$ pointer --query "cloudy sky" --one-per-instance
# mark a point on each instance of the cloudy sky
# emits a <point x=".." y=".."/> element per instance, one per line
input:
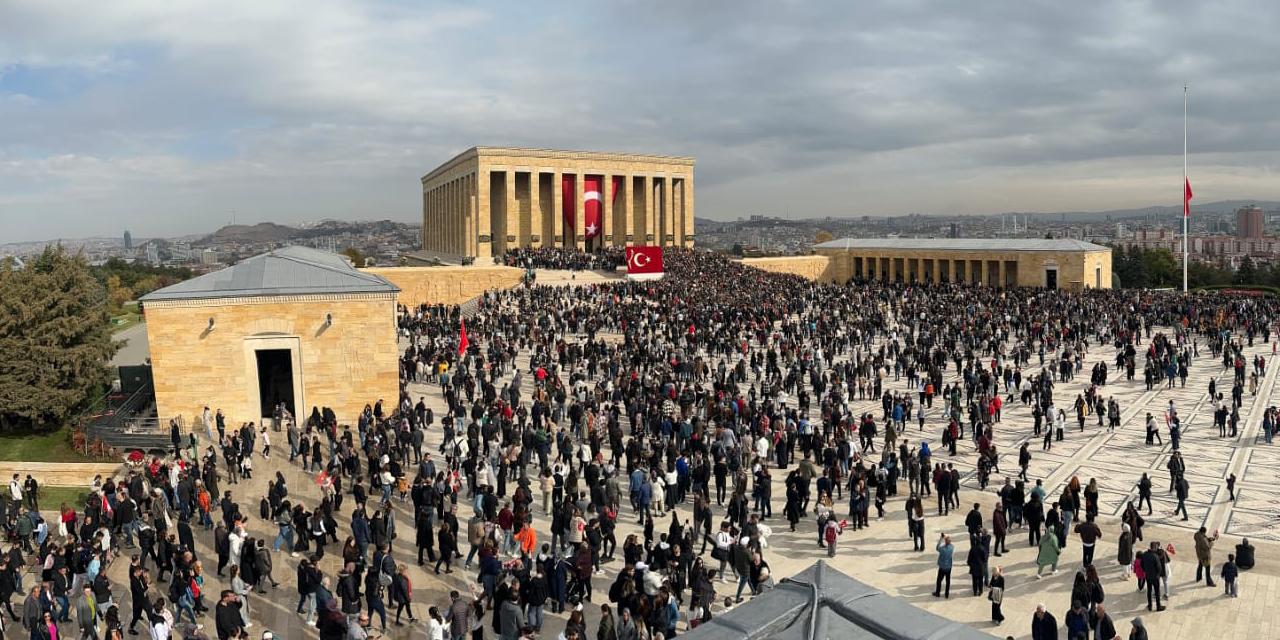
<point x="165" y="116"/>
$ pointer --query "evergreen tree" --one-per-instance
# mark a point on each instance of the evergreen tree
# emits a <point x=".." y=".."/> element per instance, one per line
<point x="1246" y="273"/>
<point x="55" y="338"/>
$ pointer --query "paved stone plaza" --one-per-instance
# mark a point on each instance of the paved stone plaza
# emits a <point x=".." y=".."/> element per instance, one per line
<point x="882" y="556"/>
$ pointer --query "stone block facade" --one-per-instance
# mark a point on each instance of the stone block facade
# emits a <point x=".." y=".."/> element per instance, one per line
<point x="447" y="285"/>
<point x="343" y="349"/>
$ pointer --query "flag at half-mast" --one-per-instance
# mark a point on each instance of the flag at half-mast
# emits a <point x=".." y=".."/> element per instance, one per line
<point x="1186" y="197"/>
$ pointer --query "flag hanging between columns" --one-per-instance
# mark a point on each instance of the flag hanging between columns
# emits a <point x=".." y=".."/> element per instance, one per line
<point x="569" y="202"/>
<point x="1186" y="197"/>
<point x="462" y="339"/>
<point x="592" y="203"/>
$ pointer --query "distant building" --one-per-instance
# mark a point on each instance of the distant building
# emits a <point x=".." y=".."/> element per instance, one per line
<point x="180" y="252"/>
<point x="1249" y="222"/>
<point x="209" y="256"/>
<point x="1022" y="262"/>
<point x="128" y="240"/>
<point x="954" y="231"/>
<point x="153" y="253"/>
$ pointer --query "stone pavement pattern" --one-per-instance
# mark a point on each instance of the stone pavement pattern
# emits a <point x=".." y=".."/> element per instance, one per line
<point x="881" y="555"/>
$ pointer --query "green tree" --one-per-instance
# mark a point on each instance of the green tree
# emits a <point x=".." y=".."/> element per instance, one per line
<point x="139" y="278"/>
<point x="1204" y="274"/>
<point x="1127" y="264"/>
<point x="357" y="258"/>
<point x="1246" y="273"/>
<point x="56" y="340"/>
<point x="1161" y="268"/>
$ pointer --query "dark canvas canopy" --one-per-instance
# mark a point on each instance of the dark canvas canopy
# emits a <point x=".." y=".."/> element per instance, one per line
<point x="820" y="603"/>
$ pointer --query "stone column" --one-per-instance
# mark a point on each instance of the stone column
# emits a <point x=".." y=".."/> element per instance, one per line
<point x="428" y="216"/>
<point x="629" y="211"/>
<point x="606" y="211"/>
<point x="689" y="237"/>
<point x="667" y="213"/>
<point x="449" y="210"/>
<point x="1002" y="282"/>
<point x="472" y="249"/>
<point x="579" y="212"/>
<point x="536" y="218"/>
<point x="557" y="208"/>
<point x="649" y="233"/>
<point x="677" y="212"/>
<point x="460" y="198"/>
<point x="511" y="226"/>
<point x="434" y="232"/>
<point x="484" y="217"/>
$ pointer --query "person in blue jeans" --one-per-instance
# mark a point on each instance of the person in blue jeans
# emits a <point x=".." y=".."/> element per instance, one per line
<point x="946" y="551"/>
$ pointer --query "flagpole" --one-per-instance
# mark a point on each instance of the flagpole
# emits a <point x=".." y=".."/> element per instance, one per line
<point x="1186" y="213"/>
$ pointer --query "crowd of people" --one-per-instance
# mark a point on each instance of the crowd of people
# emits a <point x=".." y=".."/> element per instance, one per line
<point x="611" y="411"/>
<point x="603" y="259"/>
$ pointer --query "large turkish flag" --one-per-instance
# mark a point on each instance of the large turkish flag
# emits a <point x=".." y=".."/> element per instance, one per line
<point x="592" y="205"/>
<point x="644" y="263"/>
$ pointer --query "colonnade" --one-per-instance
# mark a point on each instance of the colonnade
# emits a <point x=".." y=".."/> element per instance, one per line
<point x="937" y="268"/>
<point x="483" y="212"/>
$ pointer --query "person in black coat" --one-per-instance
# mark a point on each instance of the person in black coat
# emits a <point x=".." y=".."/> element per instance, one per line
<point x="227" y="616"/>
<point x="185" y="536"/>
<point x="1101" y="623"/>
<point x="1043" y="625"/>
<point x="349" y="590"/>
<point x="448" y="546"/>
<point x="400" y="595"/>
<point x="1152" y="570"/>
<point x="373" y="598"/>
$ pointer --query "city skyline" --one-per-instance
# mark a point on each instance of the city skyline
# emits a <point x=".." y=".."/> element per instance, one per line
<point x="167" y="117"/>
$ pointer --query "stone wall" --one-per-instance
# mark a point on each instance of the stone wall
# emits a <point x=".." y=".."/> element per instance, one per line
<point x="344" y="364"/>
<point x="447" y="285"/>
<point x="818" y="268"/>
<point x="61" y="474"/>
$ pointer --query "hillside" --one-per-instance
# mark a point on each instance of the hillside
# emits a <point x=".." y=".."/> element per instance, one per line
<point x="261" y="232"/>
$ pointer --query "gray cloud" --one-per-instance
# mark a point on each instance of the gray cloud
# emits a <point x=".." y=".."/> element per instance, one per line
<point x="293" y="110"/>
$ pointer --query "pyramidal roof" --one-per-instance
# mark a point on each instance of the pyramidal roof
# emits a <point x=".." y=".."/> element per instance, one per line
<point x="821" y="603"/>
<point x="286" y="271"/>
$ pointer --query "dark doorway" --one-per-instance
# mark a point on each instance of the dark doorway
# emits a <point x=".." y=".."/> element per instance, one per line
<point x="1051" y="278"/>
<point x="275" y="380"/>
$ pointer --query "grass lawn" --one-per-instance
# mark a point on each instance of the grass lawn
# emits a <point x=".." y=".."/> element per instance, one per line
<point x="127" y="317"/>
<point x="53" y="446"/>
<point x="52" y="497"/>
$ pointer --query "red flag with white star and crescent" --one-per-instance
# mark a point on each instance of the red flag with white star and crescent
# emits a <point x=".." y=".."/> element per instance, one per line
<point x="1186" y="198"/>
